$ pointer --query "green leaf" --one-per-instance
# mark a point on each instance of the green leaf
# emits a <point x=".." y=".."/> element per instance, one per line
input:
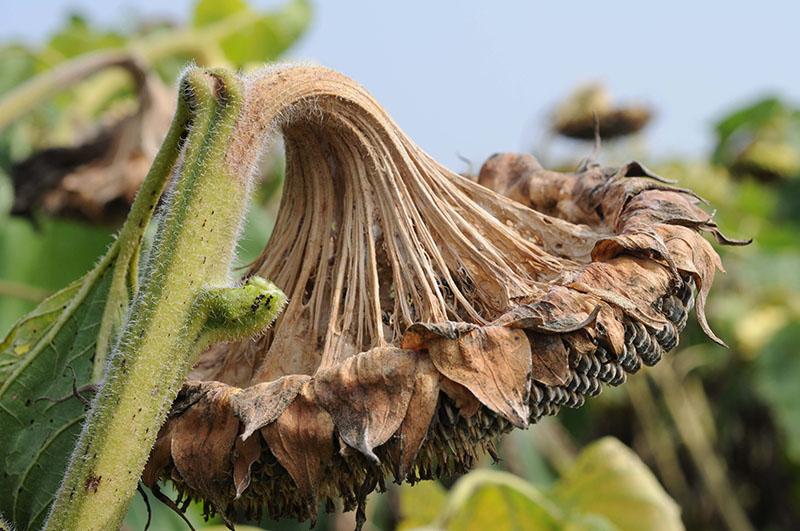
<point x="209" y="11"/>
<point x="608" y="488"/>
<point x="50" y="355"/>
<point x="263" y="39"/>
<point x="421" y="504"/>
<point x="609" y="480"/>
<point x="753" y="115"/>
<point x="17" y="64"/>
<point x="77" y="37"/>
<point x="488" y="499"/>
<point x="776" y="377"/>
<point x="44" y="354"/>
<point x="48" y="257"/>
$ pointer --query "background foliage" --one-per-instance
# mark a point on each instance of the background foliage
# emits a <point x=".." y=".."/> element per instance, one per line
<point x="720" y="429"/>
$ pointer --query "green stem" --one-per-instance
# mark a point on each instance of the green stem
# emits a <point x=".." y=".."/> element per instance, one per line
<point x="124" y="279"/>
<point x="184" y="303"/>
<point x="25" y="292"/>
<point x="197" y="42"/>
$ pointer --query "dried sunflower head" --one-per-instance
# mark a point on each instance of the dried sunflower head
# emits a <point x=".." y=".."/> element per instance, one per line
<point x="427" y="313"/>
<point x="590" y="107"/>
<point x="97" y="179"/>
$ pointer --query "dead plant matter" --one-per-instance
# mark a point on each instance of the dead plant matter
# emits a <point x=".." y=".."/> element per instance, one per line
<point x="428" y="313"/>
<point x="97" y="179"/>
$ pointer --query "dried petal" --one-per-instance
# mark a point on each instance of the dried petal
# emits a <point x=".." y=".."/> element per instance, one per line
<point x="417" y="335"/>
<point x="160" y="455"/>
<point x="421" y="408"/>
<point x="550" y="362"/>
<point x="465" y="401"/>
<point x="694" y="255"/>
<point x="203" y="440"/>
<point x="246" y="452"/>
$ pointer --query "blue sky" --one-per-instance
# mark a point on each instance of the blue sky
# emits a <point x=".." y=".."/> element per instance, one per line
<point x="473" y="78"/>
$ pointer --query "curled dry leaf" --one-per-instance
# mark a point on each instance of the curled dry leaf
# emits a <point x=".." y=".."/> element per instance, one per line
<point x="428" y="313"/>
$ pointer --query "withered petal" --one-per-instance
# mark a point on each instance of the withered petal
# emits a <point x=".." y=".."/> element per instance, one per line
<point x="203" y="440"/>
<point x="160" y="455"/>
<point x="421" y="407"/>
<point x="549" y="359"/>
<point x="463" y="398"/>
<point x="246" y="452"/>
<point x="417" y="335"/>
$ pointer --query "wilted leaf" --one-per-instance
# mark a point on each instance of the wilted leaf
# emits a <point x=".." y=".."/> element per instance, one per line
<point x="98" y="179"/>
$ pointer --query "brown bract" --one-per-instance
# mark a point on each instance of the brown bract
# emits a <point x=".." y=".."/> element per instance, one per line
<point x="427" y="313"/>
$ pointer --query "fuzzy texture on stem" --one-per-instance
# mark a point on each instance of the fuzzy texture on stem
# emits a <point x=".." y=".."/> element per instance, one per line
<point x="185" y="300"/>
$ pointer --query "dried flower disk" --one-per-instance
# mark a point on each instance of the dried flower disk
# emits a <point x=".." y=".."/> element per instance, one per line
<point x="590" y="108"/>
<point x="428" y="313"/>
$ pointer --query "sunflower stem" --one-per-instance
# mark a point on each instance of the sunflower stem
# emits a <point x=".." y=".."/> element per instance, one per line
<point x="185" y="302"/>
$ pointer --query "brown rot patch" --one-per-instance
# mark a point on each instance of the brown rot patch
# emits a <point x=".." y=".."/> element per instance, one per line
<point x="92" y="483"/>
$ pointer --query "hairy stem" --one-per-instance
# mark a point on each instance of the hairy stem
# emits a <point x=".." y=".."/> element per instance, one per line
<point x="124" y="279"/>
<point x="182" y="305"/>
